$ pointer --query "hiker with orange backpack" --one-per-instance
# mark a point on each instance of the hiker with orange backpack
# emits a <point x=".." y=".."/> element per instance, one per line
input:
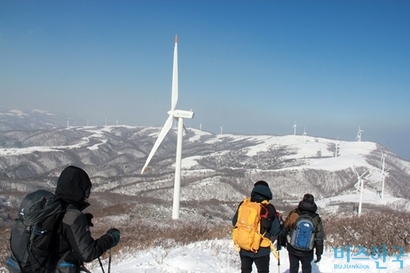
<point x="256" y="226"/>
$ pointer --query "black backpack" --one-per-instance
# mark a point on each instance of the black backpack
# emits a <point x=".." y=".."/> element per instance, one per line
<point x="33" y="238"/>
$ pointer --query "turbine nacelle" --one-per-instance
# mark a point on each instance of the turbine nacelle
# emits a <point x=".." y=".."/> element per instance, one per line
<point x="181" y="114"/>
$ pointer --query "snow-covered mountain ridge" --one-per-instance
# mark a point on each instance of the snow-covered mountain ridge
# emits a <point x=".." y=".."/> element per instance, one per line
<point x="214" y="166"/>
<point x="119" y="151"/>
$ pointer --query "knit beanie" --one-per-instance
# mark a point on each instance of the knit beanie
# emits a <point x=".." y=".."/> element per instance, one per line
<point x="308" y="198"/>
<point x="261" y="191"/>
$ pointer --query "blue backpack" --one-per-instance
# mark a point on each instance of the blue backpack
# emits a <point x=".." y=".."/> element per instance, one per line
<point x="302" y="236"/>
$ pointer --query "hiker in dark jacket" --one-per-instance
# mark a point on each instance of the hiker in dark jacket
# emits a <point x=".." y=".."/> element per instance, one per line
<point x="270" y="225"/>
<point x="306" y="207"/>
<point x="76" y="245"/>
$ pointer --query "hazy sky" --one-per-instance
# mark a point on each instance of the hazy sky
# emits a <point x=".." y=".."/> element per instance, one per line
<point x="250" y="66"/>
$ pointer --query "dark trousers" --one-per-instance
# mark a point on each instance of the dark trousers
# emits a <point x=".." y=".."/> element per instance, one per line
<point x="262" y="264"/>
<point x="294" y="263"/>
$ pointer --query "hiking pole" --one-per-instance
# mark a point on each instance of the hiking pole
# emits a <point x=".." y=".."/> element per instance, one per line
<point x="279" y="247"/>
<point x="102" y="267"/>
<point x="109" y="260"/>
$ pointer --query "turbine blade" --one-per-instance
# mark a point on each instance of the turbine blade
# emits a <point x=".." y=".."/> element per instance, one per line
<point x="186" y="131"/>
<point x="174" y="98"/>
<point x="365" y="173"/>
<point x="162" y="134"/>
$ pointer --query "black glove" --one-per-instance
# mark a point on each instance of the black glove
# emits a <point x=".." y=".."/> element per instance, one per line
<point x="318" y="258"/>
<point x="114" y="235"/>
<point x="89" y="216"/>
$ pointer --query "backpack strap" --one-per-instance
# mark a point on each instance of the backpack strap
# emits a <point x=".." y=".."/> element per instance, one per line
<point x="268" y="215"/>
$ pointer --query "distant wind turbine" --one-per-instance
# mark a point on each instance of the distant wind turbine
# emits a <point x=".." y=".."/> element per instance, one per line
<point x="294" y="128"/>
<point x="180" y="115"/>
<point x="359" y="135"/>
<point x="222" y="128"/>
<point x="359" y="187"/>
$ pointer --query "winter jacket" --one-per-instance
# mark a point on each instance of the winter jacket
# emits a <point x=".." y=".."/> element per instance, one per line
<point x="270" y="225"/>
<point x="76" y="245"/>
<point x="305" y="208"/>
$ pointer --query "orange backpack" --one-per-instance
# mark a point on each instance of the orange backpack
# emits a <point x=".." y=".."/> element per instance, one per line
<point x="246" y="234"/>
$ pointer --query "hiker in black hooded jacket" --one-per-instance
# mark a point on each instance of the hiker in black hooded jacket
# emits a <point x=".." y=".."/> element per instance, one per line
<point x="76" y="245"/>
<point x="270" y="225"/>
<point x="306" y="207"/>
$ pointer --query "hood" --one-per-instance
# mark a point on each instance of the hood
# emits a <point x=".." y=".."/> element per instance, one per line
<point x="74" y="186"/>
<point x="261" y="191"/>
<point x="308" y="203"/>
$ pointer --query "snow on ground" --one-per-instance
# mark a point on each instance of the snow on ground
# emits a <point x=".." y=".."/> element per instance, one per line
<point x="219" y="256"/>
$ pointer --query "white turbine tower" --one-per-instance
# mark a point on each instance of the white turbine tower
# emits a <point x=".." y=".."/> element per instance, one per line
<point x="294" y="128"/>
<point x="359" y="187"/>
<point x="180" y="115"/>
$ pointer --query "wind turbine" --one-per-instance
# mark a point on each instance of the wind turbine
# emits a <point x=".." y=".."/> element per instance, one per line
<point x="359" y="187"/>
<point x="294" y="128"/>
<point x="359" y="135"/>
<point x="180" y="115"/>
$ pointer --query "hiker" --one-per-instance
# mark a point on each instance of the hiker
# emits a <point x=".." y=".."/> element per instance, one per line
<point x="76" y="244"/>
<point x="52" y="234"/>
<point x="306" y="207"/>
<point x="269" y="228"/>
